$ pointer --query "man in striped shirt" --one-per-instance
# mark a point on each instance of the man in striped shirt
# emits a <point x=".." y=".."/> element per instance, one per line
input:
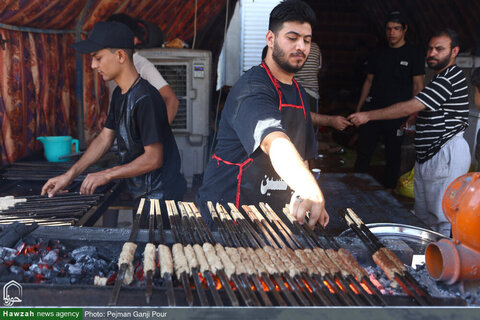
<point x="442" y="107"/>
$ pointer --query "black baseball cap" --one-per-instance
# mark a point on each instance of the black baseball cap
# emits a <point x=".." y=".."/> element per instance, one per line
<point x="106" y="35"/>
<point x="397" y="17"/>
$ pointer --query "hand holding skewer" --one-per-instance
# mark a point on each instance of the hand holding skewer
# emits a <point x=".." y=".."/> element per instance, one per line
<point x="314" y="206"/>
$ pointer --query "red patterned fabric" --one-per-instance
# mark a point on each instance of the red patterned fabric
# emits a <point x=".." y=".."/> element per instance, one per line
<point x="37" y="79"/>
<point x="37" y="70"/>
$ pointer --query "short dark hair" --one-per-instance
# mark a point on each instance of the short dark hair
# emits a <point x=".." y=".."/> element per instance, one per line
<point x="130" y="22"/>
<point x="128" y="52"/>
<point x="475" y="78"/>
<point x="397" y="17"/>
<point x="290" y="10"/>
<point x="452" y="34"/>
<point x="264" y="52"/>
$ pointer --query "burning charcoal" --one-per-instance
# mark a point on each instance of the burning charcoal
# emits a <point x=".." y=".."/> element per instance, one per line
<point x="14" y="232"/>
<point x="7" y="254"/>
<point x="85" y="259"/>
<point x="49" y="274"/>
<point x="60" y="266"/>
<point x="90" y="251"/>
<point x="16" y="270"/>
<point x="50" y="258"/>
<point x="100" y="265"/>
<point x="29" y="276"/>
<point x="22" y="260"/>
<point x="74" y="269"/>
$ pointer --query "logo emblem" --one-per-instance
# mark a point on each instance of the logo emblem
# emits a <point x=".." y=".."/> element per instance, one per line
<point x="12" y="293"/>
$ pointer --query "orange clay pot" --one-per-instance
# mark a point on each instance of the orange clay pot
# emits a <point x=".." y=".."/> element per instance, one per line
<point x="458" y="259"/>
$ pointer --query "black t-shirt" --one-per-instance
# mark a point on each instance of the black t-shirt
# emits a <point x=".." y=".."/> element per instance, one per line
<point x="149" y="125"/>
<point x="251" y="112"/>
<point x="150" y="114"/>
<point x="393" y="70"/>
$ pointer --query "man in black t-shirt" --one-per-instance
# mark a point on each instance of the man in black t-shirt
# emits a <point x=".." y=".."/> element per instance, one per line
<point x="442" y="106"/>
<point x="137" y="119"/>
<point x="394" y="74"/>
<point x="266" y="133"/>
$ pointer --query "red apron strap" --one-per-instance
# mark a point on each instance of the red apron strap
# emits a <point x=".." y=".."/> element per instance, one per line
<point x="241" y="166"/>
<point x="277" y="87"/>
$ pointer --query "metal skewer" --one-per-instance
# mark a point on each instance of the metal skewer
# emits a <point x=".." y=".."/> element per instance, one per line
<point x="151" y="239"/>
<point x="123" y="267"/>
<point x="166" y="270"/>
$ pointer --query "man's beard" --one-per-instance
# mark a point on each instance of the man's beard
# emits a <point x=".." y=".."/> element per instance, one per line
<point x="278" y="56"/>
<point x="441" y="64"/>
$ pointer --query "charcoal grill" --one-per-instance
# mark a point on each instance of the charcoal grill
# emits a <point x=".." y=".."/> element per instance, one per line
<point x="134" y="295"/>
<point x="25" y="179"/>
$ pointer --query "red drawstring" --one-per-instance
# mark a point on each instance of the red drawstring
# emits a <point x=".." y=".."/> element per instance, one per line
<point x="239" y="176"/>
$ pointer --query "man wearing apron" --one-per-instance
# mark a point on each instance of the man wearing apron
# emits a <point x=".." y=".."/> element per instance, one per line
<point x="266" y="133"/>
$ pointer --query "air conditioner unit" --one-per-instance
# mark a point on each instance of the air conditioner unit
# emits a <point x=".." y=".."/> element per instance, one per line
<point x="188" y="72"/>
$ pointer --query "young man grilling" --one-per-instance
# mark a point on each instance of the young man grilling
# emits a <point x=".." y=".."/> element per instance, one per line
<point x="150" y="160"/>
<point x="266" y="134"/>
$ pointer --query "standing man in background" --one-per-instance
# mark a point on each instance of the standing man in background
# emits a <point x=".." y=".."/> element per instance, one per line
<point x="395" y="73"/>
<point x="442" y="152"/>
<point x="308" y="78"/>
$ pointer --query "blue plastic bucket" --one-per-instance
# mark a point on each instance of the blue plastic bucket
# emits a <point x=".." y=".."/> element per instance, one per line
<point x="58" y="146"/>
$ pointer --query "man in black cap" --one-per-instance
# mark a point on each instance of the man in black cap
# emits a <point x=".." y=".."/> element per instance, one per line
<point x="137" y="119"/>
<point x="394" y="73"/>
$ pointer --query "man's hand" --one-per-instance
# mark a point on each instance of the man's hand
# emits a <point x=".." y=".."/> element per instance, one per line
<point x="359" y="118"/>
<point x="55" y="185"/>
<point x="339" y="122"/>
<point x="314" y="204"/>
<point x="408" y="125"/>
<point x="94" y="180"/>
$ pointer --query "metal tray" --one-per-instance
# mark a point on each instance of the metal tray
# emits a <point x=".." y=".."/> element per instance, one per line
<point x="417" y="238"/>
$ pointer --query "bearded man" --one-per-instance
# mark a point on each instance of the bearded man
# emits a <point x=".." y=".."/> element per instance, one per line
<point x="442" y="154"/>
<point x="265" y="134"/>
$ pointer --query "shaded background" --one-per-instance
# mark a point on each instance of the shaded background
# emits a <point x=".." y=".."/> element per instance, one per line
<point x="37" y="67"/>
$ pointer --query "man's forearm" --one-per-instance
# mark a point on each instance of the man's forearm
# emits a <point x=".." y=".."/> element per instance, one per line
<point x="320" y="119"/>
<point x="397" y="110"/>
<point x="140" y="165"/>
<point x="290" y="166"/>
<point x="99" y="146"/>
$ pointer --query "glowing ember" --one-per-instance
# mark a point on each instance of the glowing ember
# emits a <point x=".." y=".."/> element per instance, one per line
<point x="218" y="283"/>
<point x="328" y="286"/>
<point x="264" y="286"/>
<point x="308" y="287"/>
<point x="353" y="288"/>
<point x="365" y="287"/>
<point x="376" y="283"/>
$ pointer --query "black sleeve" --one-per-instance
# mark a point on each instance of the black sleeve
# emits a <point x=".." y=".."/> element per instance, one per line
<point x="151" y="119"/>
<point x="257" y="114"/>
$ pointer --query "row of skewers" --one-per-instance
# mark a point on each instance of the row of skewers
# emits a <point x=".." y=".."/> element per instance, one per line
<point x="260" y="258"/>
<point x="64" y="209"/>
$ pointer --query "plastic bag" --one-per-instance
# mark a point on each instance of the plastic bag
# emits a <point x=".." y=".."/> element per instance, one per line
<point x="405" y="184"/>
